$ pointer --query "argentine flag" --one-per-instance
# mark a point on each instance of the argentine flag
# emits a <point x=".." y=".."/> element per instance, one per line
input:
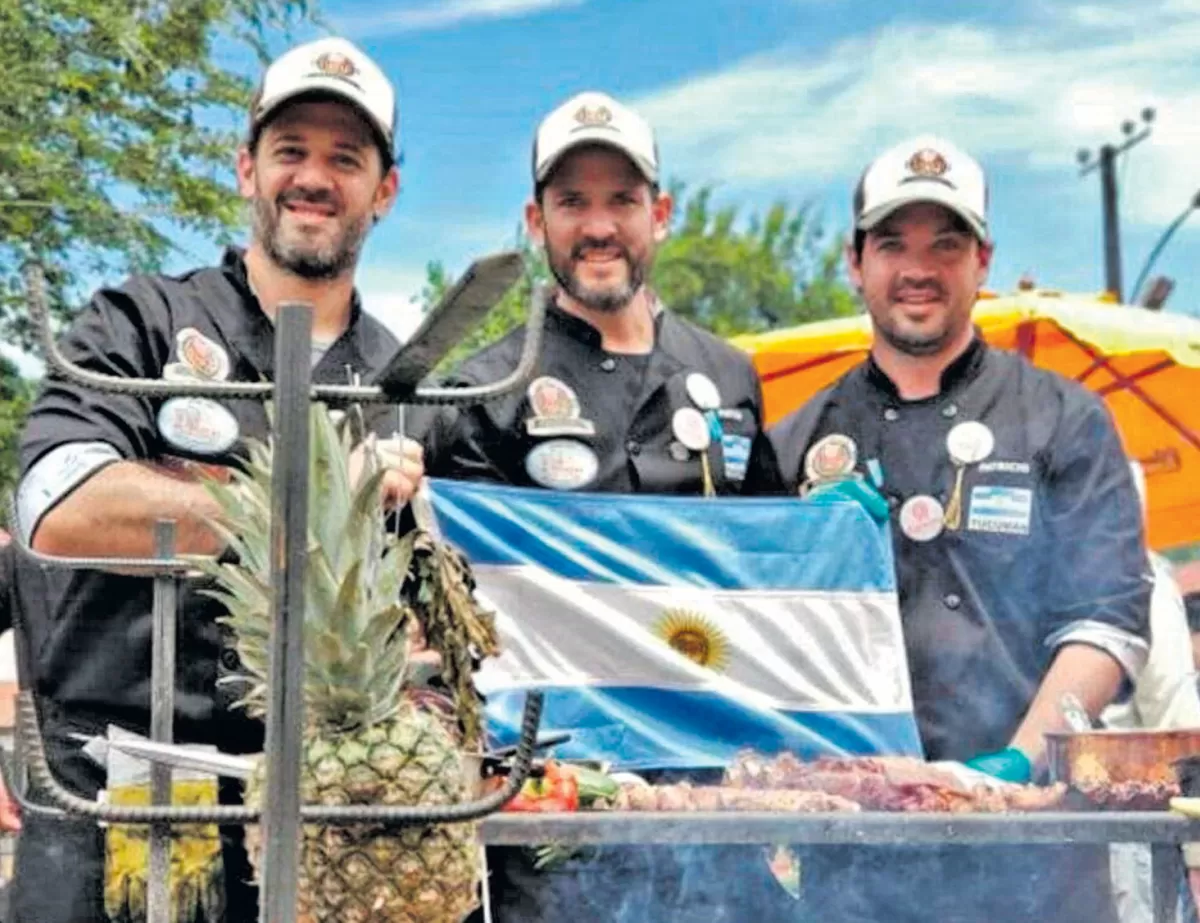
<point x="671" y="632"/>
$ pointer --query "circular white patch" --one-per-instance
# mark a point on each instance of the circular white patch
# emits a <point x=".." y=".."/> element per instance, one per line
<point x="562" y="464"/>
<point x="690" y="428"/>
<point x="197" y="424"/>
<point x="703" y="392"/>
<point x="970" y="442"/>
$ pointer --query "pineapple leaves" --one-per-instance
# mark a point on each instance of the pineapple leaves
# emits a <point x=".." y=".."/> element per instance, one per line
<point x="364" y="589"/>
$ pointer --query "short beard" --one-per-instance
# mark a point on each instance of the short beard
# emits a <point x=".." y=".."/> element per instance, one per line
<point x="915" y="346"/>
<point x="605" y="302"/>
<point x="305" y="261"/>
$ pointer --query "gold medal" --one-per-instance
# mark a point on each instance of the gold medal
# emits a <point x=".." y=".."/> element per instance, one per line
<point x="691" y="429"/>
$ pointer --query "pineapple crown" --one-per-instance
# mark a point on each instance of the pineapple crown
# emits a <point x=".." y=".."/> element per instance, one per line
<point x="367" y="591"/>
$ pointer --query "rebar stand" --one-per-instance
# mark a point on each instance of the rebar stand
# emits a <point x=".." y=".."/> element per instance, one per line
<point x="282" y="814"/>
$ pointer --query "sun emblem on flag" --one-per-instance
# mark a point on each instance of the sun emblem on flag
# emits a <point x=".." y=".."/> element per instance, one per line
<point x="695" y="636"/>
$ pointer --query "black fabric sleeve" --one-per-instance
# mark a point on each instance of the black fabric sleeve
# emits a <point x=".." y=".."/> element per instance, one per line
<point x="123" y="332"/>
<point x="1096" y="528"/>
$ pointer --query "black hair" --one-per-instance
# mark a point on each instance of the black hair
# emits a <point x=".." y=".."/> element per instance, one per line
<point x="957" y="223"/>
<point x="388" y="156"/>
<point x="539" y="189"/>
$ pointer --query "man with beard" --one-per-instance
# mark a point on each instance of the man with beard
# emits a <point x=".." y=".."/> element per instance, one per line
<point x="98" y="470"/>
<point x="1020" y="555"/>
<point x="621" y="381"/>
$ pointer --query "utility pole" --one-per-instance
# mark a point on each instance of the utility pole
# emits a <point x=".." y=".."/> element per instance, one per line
<point x="1106" y="163"/>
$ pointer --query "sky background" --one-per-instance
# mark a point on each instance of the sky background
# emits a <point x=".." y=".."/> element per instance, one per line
<point x="770" y="99"/>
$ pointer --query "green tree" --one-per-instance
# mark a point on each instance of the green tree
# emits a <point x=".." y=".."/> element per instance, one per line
<point x="778" y="269"/>
<point x="16" y="393"/>
<point x="775" y="270"/>
<point x="118" y="122"/>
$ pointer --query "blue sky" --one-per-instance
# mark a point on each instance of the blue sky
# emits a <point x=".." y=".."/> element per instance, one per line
<point x="790" y="98"/>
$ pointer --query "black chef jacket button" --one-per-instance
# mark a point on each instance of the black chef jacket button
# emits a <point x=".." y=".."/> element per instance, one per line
<point x="952" y="600"/>
<point x="950" y="411"/>
<point x="633" y="447"/>
<point x="230" y="659"/>
<point x="891" y="414"/>
<point x="608" y="364"/>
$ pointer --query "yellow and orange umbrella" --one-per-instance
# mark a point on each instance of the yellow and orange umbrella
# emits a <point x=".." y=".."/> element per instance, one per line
<point x="1145" y="364"/>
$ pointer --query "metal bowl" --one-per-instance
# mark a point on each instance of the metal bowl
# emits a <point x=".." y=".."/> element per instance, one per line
<point x="1106" y="757"/>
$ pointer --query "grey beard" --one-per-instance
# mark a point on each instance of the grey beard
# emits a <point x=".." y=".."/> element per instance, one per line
<point x="605" y="302"/>
<point x="327" y="262"/>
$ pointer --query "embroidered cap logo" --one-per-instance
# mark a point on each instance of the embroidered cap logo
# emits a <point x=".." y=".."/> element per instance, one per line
<point x="593" y="117"/>
<point x="927" y="162"/>
<point x="335" y="64"/>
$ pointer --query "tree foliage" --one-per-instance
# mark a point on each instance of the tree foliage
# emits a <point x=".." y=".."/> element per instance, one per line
<point x="774" y="270"/>
<point x="16" y="394"/>
<point x="118" y="123"/>
<point x="777" y="269"/>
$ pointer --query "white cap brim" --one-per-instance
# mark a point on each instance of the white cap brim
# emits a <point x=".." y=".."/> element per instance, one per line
<point x="602" y="136"/>
<point x="924" y="190"/>
<point x="330" y="86"/>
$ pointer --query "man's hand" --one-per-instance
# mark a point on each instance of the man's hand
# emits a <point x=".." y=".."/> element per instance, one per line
<point x="424" y="664"/>
<point x="10" y="812"/>
<point x="403" y="461"/>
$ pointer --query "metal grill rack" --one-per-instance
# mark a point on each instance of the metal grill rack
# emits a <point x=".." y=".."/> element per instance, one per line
<point x="469" y="299"/>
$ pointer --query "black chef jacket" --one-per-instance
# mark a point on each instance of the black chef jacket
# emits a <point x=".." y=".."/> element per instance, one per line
<point x="630" y="400"/>
<point x="90" y="632"/>
<point x="1050" y="548"/>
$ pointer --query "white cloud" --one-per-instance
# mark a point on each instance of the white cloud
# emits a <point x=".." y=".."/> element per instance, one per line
<point x="1025" y="96"/>
<point x="28" y="364"/>
<point x="393" y="296"/>
<point x="445" y="14"/>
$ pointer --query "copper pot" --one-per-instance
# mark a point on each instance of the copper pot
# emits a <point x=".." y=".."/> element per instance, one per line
<point x="1106" y="757"/>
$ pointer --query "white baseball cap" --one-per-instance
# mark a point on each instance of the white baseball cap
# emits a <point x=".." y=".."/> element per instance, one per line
<point x="331" y="66"/>
<point x="923" y="169"/>
<point x="594" y="118"/>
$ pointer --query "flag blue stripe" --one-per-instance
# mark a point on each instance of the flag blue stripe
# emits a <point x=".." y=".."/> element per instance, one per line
<point x="727" y="543"/>
<point x="639" y="728"/>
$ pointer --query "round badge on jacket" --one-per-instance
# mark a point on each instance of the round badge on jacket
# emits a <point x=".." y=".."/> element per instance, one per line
<point x="922" y="518"/>
<point x="198" y="425"/>
<point x="702" y="391"/>
<point x="551" y="398"/>
<point x="691" y="428"/>
<point x="831" y="457"/>
<point x="970" y="442"/>
<point x="562" y="464"/>
<point x="200" y="354"/>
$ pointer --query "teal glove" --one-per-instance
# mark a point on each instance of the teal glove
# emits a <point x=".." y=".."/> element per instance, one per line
<point x="1009" y="765"/>
<point x="855" y="489"/>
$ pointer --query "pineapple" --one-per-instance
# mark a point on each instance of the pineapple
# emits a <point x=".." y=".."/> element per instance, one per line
<point x="370" y="738"/>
